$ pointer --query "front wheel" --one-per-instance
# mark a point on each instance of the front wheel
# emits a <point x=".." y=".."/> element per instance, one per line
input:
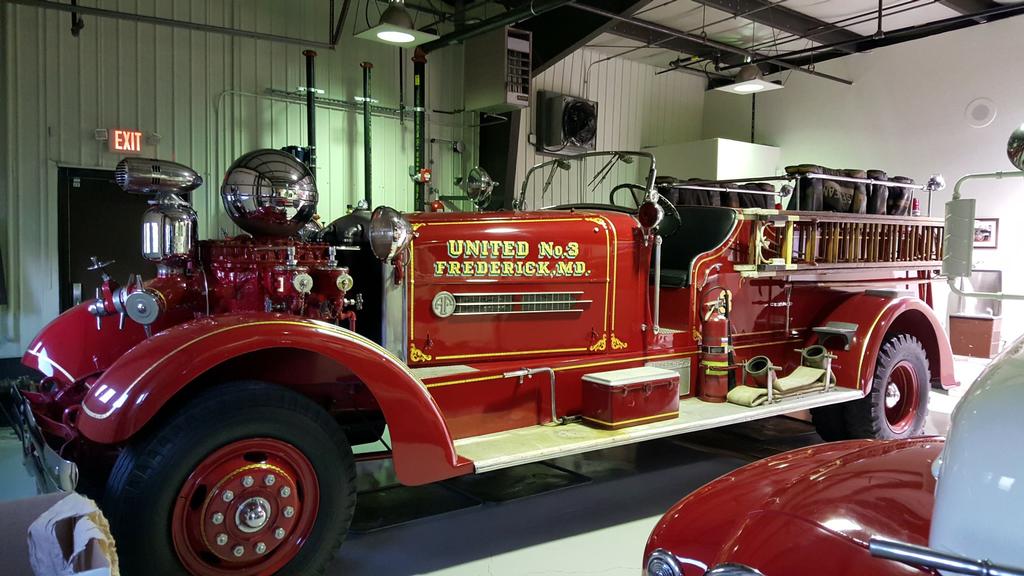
<point x="247" y="478"/>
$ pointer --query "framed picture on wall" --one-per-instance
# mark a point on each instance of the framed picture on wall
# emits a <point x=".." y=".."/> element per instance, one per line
<point x="986" y="232"/>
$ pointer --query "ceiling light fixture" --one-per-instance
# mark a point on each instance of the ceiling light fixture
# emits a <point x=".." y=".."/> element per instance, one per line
<point x="749" y="81"/>
<point x="396" y="27"/>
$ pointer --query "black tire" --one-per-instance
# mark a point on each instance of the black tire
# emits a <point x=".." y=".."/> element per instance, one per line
<point x="149" y="474"/>
<point x="830" y="422"/>
<point x="866" y="418"/>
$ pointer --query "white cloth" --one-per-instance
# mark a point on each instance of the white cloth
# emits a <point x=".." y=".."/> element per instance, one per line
<point x="72" y="537"/>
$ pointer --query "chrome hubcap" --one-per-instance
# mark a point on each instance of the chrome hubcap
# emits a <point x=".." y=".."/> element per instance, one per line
<point x="892" y="395"/>
<point x="252" y="515"/>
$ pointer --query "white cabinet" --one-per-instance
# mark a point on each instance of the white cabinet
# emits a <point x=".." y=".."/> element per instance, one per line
<point x="717" y="159"/>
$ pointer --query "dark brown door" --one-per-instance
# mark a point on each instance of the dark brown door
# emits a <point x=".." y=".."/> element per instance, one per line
<point x="98" y="219"/>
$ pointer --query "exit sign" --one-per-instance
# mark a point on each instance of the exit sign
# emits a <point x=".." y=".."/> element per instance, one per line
<point x="126" y="141"/>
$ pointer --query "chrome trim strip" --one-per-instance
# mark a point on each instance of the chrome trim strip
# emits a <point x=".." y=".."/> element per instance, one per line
<point x="520" y="302"/>
<point x="515" y="312"/>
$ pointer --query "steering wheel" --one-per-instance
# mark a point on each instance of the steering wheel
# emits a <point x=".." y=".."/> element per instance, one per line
<point x="673" y="214"/>
<point x="634" y="189"/>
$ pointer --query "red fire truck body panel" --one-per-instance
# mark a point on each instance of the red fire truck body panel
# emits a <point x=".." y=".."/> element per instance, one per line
<point x="593" y="272"/>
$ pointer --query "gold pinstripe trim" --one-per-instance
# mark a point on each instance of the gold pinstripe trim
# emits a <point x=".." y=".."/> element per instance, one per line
<point x="488" y="221"/>
<point x="867" y="337"/>
<point x="631" y="421"/>
<point x="718" y="251"/>
<point x="489" y="354"/>
<point x="564" y="368"/>
<point x="767" y="343"/>
<point x="340" y="332"/>
<point x="611" y="277"/>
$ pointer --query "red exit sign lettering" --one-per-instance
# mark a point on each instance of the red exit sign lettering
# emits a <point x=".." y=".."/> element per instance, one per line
<point x="129" y="141"/>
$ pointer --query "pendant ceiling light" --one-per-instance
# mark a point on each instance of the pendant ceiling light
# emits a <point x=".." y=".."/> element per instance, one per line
<point x="396" y="27"/>
<point x="749" y="81"/>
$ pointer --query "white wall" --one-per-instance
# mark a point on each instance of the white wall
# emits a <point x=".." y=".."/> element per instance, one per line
<point x="185" y="86"/>
<point x="636" y="110"/>
<point x="905" y="115"/>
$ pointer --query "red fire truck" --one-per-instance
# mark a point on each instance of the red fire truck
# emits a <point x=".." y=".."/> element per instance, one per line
<point x="213" y="407"/>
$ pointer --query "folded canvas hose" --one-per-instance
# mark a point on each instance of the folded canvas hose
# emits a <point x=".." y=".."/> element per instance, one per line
<point x="805" y="379"/>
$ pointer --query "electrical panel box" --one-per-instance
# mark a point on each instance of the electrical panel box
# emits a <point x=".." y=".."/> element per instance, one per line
<point x="497" y="70"/>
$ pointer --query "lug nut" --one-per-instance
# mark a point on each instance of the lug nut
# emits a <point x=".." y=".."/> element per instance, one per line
<point x="279" y="533"/>
<point x="289" y="512"/>
<point x="269" y="480"/>
<point x="217" y="518"/>
<point x="247" y="481"/>
<point x="222" y="539"/>
<point x="228" y="496"/>
<point x="285" y="492"/>
<point x="238" y="551"/>
<point x="261" y="547"/>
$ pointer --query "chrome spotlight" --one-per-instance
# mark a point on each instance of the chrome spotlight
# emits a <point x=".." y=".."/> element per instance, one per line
<point x="390" y="233"/>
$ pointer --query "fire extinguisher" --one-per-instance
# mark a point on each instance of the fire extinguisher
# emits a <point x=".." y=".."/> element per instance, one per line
<point x="716" y="347"/>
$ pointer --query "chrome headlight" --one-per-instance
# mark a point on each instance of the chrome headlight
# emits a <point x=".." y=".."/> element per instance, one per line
<point x="390" y="233"/>
<point x="662" y="563"/>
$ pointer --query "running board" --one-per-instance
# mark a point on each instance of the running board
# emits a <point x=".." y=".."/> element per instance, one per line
<point x="536" y="443"/>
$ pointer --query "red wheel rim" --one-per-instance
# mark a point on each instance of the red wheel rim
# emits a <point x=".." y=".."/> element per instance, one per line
<point x="247" y="508"/>
<point x="901" y="397"/>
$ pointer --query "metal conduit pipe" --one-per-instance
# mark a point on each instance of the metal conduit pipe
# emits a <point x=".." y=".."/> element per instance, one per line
<point x="419" y="107"/>
<point x="311" y="108"/>
<point x="367" y="137"/>
<point x="711" y="43"/>
<point x="956" y="196"/>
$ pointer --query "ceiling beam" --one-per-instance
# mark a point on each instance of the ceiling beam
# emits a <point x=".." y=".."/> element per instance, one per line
<point x="968" y="6"/>
<point x="710" y="42"/>
<point x="785" y="19"/>
<point x="564" y="30"/>
<point x="916" y="32"/>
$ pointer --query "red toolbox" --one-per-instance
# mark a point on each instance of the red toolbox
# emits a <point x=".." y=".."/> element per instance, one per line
<point x="631" y="396"/>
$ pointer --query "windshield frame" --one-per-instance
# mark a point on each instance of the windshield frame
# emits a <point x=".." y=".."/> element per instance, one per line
<point x="652" y="173"/>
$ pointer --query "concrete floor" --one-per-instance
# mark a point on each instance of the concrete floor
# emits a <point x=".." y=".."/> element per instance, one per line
<point x="597" y="529"/>
<point x="598" y="526"/>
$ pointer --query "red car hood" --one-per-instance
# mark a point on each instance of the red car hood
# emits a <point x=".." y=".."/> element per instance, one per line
<point x="826" y="499"/>
<point x="882" y="489"/>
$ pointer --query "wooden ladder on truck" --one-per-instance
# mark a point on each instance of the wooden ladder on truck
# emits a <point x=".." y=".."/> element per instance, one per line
<point x="783" y="243"/>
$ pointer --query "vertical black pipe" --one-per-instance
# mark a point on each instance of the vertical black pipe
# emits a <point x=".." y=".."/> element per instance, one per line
<point x="419" y="60"/>
<point x="367" y="136"/>
<point x="311" y="109"/>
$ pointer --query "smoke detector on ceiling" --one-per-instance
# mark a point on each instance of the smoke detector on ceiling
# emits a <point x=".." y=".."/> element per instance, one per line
<point x="980" y="112"/>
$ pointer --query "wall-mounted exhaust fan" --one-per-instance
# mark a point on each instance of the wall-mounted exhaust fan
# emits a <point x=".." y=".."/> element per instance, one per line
<point x="565" y="124"/>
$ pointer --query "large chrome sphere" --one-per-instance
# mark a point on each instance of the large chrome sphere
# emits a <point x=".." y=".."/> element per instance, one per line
<point x="1015" y="148"/>
<point x="269" y="193"/>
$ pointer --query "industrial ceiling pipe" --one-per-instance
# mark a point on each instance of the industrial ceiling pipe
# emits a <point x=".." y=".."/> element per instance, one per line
<point x="711" y="43"/>
<point x="524" y="12"/>
<point x="118" y="15"/>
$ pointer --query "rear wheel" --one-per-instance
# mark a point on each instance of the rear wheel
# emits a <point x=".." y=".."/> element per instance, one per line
<point x="897" y="405"/>
<point x="247" y="478"/>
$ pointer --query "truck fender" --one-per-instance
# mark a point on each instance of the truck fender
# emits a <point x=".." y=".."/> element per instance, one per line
<point x="142" y="381"/>
<point x="877" y="315"/>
